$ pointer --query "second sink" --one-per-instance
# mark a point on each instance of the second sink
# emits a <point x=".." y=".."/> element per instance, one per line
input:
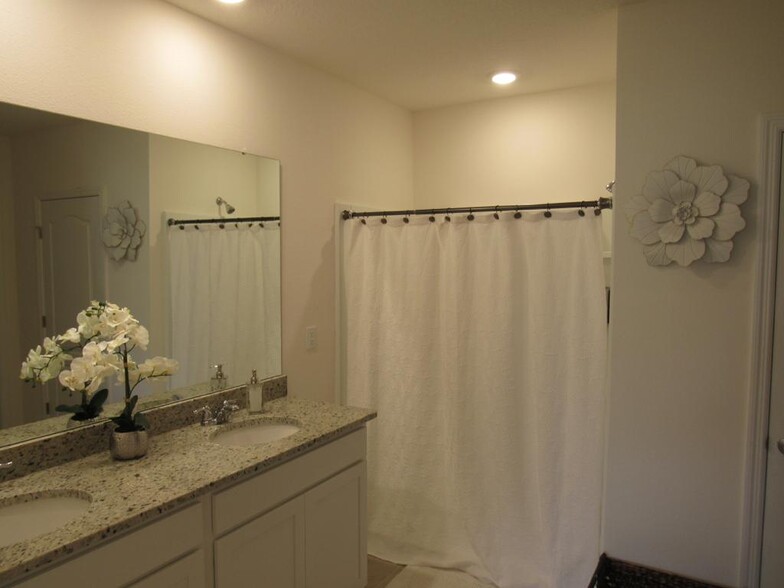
<point x="28" y="516"/>
<point x="254" y="433"/>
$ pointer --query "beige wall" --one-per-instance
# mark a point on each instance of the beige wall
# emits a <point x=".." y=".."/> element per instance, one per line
<point x="547" y="147"/>
<point x="693" y="78"/>
<point x="147" y="65"/>
<point x="551" y="146"/>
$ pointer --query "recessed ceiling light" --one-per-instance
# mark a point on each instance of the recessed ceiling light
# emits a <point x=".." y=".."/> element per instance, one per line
<point x="231" y="1"/>
<point x="503" y="78"/>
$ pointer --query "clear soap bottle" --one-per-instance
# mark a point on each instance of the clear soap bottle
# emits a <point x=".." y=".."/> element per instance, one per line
<point x="219" y="380"/>
<point x="255" y="395"/>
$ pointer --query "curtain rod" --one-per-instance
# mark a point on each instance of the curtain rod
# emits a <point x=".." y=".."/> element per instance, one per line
<point x="597" y="205"/>
<point x="211" y="221"/>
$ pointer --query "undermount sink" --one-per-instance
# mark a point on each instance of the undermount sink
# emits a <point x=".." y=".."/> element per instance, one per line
<point x="27" y="516"/>
<point x="254" y="433"/>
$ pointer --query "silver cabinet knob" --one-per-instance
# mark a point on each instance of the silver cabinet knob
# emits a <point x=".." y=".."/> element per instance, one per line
<point x="780" y="445"/>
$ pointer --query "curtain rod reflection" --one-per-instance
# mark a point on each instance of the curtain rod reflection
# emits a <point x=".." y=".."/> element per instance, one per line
<point x="221" y="222"/>
<point x="597" y="205"/>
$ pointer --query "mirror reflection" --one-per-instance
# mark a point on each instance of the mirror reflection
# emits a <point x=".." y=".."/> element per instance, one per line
<point x="186" y="236"/>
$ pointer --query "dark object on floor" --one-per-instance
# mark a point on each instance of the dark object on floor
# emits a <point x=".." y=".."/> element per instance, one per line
<point x="614" y="573"/>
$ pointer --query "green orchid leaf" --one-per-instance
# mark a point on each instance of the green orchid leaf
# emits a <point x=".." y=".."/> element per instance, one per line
<point x="141" y="421"/>
<point x="96" y="402"/>
<point x="72" y="408"/>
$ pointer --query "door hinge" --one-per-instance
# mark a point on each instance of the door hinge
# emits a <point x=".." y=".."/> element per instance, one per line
<point x="43" y="321"/>
<point x="39" y="232"/>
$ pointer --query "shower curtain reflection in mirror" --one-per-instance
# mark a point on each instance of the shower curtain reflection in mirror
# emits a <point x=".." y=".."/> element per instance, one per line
<point x="225" y="300"/>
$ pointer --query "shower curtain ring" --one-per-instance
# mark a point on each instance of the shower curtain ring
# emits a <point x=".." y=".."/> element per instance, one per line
<point x="383" y="220"/>
<point x="547" y="212"/>
<point x="363" y="221"/>
<point x="495" y="214"/>
<point x="432" y="217"/>
<point x="517" y="213"/>
<point x="470" y="214"/>
<point x="581" y="212"/>
<point x="447" y="218"/>
<point x="405" y="218"/>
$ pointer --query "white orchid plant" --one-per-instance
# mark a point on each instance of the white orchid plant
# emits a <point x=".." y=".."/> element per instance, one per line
<point x="84" y="357"/>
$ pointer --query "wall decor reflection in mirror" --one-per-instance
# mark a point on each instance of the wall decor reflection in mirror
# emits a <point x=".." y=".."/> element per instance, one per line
<point x="208" y="288"/>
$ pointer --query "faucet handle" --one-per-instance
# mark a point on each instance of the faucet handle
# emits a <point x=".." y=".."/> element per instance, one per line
<point x="206" y="415"/>
<point x="226" y="410"/>
<point x="230" y="405"/>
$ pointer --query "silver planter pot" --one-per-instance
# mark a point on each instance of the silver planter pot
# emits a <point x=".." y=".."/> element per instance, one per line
<point x="130" y="445"/>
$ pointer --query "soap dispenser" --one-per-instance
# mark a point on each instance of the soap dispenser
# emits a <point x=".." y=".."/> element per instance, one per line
<point x="219" y="380"/>
<point x="255" y="394"/>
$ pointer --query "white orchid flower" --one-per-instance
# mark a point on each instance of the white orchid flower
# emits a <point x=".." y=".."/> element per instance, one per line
<point x="71" y="336"/>
<point x="71" y="380"/>
<point x="139" y="336"/>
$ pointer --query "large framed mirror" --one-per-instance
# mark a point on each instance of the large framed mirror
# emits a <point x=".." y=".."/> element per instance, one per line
<point x="186" y="236"/>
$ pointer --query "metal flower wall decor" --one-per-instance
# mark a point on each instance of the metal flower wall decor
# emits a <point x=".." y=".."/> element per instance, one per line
<point x="123" y="231"/>
<point x="688" y="212"/>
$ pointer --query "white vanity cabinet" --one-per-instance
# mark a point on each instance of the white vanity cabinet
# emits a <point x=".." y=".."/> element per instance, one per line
<point x="169" y="549"/>
<point x="302" y="525"/>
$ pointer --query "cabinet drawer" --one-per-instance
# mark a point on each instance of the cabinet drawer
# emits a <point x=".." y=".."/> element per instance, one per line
<point x="129" y="557"/>
<point x="187" y="572"/>
<point x="253" y="497"/>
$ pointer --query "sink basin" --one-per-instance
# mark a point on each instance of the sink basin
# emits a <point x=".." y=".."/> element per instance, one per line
<point x="254" y="433"/>
<point x="27" y="516"/>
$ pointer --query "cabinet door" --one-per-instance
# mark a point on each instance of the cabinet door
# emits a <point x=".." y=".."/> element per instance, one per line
<point x="336" y="531"/>
<point x="268" y="552"/>
<point x="187" y="572"/>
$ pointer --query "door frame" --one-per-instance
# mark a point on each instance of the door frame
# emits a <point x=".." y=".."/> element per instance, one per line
<point x="768" y="197"/>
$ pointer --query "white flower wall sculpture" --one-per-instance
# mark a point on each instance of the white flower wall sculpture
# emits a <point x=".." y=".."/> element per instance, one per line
<point x="688" y="212"/>
<point x="123" y="231"/>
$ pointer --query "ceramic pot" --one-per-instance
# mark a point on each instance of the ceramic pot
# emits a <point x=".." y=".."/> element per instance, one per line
<point x="130" y="445"/>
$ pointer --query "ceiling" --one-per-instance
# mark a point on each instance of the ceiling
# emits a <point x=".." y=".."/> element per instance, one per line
<point x="430" y="53"/>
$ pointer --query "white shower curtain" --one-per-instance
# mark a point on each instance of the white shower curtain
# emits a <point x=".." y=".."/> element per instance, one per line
<point x="225" y="301"/>
<point x="482" y="346"/>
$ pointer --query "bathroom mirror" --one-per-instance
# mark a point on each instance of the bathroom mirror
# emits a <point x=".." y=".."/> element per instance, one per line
<point x="208" y="291"/>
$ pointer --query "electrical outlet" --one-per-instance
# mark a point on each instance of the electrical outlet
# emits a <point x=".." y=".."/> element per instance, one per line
<point x="311" y="338"/>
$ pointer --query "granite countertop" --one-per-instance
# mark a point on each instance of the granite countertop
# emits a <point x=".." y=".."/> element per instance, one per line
<point x="180" y="466"/>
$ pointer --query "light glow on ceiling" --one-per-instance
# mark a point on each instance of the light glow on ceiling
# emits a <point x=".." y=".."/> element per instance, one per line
<point x="502" y="78"/>
<point x="231" y="1"/>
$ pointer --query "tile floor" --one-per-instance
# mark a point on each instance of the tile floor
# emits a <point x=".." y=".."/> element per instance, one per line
<point x="380" y="572"/>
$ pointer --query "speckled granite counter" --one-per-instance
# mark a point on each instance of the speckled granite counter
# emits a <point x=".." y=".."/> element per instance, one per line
<point x="181" y="465"/>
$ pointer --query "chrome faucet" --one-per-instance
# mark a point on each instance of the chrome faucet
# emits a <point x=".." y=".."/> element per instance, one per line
<point x="7" y="465"/>
<point x="206" y="415"/>
<point x="219" y="417"/>
<point x="226" y="411"/>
